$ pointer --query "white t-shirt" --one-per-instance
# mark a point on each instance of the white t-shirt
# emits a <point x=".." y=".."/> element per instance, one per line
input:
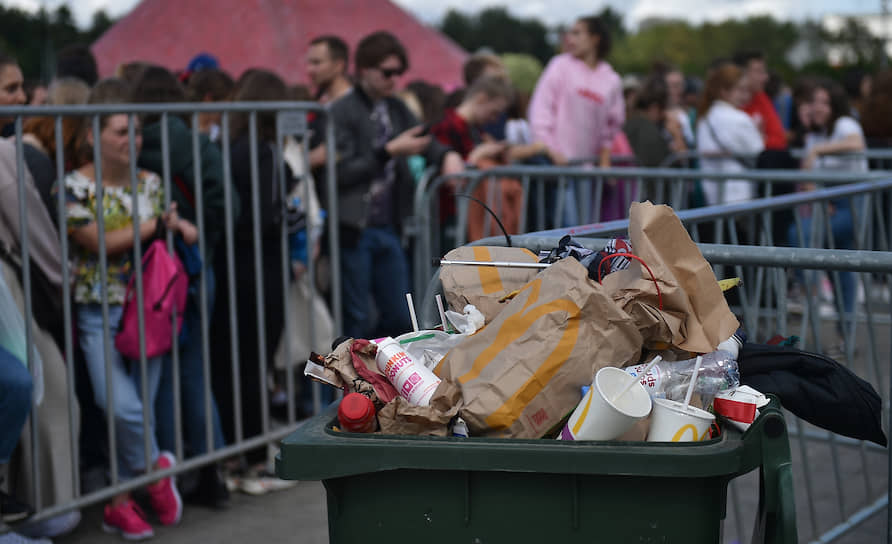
<point x="517" y="132"/>
<point x="843" y="128"/>
<point x="726" y="129"/>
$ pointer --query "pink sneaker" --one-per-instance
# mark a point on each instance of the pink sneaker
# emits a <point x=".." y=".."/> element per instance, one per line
<point x="128" y="519"/>
<point x="165" y="498"/>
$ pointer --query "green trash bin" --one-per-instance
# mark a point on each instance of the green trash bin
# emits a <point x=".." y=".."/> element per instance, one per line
<point x="429" y="490"/>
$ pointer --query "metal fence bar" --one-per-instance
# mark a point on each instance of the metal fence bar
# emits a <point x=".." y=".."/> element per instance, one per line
<point x="175" y="337"/>
<point x="147" y="411"/>
<point x="231" y="280"/>
<point x="106" y="332"/>
<point x="333" y="223"/>
<point x="258" y="269"/>
<point x="203" y="288"/>
<point x="73" y="420"/>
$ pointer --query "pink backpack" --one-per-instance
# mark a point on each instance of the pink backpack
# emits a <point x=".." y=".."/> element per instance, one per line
<point x="165" y="284"/>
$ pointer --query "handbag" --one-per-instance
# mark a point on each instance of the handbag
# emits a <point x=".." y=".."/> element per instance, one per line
<point x="165" y="285"/>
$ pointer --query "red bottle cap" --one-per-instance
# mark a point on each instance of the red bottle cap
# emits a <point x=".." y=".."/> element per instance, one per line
<point x="356" y="412"/>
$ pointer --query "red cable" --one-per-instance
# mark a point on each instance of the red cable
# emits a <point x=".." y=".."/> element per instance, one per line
<point x="644" y="264"/>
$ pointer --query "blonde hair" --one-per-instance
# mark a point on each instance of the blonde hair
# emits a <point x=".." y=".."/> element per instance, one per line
<point x="67" y="91"/>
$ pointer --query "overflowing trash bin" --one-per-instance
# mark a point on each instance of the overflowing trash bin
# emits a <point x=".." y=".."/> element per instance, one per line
<point x="575" y="394"/>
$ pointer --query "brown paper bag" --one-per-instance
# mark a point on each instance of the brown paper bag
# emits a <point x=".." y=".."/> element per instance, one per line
<point x="522" y="374"/>
<point x="695" y="316"/>
<point x="400" y="417"/>
<point x="484" y="286"/>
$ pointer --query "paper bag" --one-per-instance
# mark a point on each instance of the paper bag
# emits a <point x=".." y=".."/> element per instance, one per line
<point x="400" y="417"/>
<point x="351" y="367"/>
<point x="695" y="316"/>
<point x="522" y="374"/>
<point x="484" y="286"/>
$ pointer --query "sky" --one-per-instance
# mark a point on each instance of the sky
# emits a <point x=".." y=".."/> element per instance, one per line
<point x="561" y="11"/>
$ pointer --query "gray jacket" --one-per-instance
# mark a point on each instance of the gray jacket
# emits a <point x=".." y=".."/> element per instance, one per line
<point x="359" y="162"/>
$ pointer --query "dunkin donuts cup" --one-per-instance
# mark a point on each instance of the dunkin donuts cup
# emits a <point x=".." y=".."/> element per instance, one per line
<point x="673" y="422"/>
<point x="601" y="417"/>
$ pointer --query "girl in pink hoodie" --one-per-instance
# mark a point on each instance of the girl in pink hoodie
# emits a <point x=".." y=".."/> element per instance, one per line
<point x="577" y="108"/>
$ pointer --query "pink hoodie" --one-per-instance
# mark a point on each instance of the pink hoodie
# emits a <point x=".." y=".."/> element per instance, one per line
<point x="575" y="109"/>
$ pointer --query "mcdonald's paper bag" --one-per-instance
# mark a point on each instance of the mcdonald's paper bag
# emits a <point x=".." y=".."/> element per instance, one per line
<point x="695" y="316"/>
<point x="522" y="374"/>
<point x="485" y="286"/>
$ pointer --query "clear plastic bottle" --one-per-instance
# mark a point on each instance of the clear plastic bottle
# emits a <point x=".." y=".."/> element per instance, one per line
<point x="670" y="380"/>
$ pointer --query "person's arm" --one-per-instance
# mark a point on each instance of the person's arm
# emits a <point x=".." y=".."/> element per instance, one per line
<point x="116" y="241"/>
<point x="543" y="105"/>
<point x="852" y="143"/>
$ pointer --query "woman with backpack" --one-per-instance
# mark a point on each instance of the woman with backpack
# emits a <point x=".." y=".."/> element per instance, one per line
<point x="117" y="207"/>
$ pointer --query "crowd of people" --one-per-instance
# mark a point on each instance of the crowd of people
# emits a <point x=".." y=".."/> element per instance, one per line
<point x="738" y="116"/>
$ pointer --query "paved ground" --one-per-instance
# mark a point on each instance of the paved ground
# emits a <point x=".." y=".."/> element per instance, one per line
<point x="296" y="516"/>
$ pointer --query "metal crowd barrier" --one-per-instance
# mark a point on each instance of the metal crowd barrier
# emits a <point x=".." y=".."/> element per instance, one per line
<point x="291" y="121"/>
<point x="660" y="185"/>
<point x="877" y="158"/>
<point x="842" y="485"/>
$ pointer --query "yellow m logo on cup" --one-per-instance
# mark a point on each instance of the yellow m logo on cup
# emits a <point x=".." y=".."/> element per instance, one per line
<point x="695" y="436"/>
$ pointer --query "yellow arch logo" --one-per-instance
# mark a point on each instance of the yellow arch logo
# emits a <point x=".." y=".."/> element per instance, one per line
<point x="512" y="329"/>
<point x="695" y="437"/>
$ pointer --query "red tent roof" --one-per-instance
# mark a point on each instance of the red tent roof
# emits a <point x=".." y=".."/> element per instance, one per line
<point x="271" y="34"/>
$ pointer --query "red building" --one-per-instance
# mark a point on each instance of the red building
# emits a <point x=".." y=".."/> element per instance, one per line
<point x="272" y="34"/>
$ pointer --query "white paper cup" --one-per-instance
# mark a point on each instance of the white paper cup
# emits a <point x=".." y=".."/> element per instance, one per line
<point x="597" y="418"/>
<point x="671" y="422"/>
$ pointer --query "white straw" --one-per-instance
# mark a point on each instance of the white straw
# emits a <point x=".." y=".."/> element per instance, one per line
<point x="442" y="313"/>
<point x="687" y="398"/>
<point x="412" y="311"/>
<point x="636" y="379"/>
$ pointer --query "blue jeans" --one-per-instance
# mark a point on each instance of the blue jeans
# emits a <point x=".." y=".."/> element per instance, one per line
<point x="191" y="382"/>
<point x="15" y="401"/>
<point x="843" y="231"/>
<point x="377" y="266"/>
<point x="126" y="384"/>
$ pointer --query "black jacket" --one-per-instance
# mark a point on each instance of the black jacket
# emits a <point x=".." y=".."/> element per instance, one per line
<point x="182" y="172"/>
<point x="359" y="162"/>
<point x="815" y="388"/>
<point x="269" y="182"/>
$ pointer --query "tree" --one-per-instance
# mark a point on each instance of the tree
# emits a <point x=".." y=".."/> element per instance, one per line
<point x="498" y="30"/>
<point x="524" y="70"/>
<point x="31" y="38"/>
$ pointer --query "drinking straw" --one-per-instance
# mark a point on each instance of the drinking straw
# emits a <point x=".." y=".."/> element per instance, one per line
<point x="412" y="312"/>
<point x="636" y="379"/>
<point x="687" y="397"/>
<point x="442" y="313"/>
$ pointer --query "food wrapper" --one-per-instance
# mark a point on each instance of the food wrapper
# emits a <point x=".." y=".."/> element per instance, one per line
<point x="739" y="406"/>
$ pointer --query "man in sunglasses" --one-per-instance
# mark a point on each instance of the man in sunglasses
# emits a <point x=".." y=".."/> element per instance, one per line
<point x="375" y="134"/>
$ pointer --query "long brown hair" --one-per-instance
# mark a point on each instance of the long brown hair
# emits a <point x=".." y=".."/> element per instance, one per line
<point x="720" y="79"/>
<point x="257" y="85"/>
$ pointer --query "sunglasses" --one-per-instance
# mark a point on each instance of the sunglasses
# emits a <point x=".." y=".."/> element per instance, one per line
<point x="390" y="72"/>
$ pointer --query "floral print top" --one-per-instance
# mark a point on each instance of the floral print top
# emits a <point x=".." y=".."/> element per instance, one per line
<point x="117" y="209"/>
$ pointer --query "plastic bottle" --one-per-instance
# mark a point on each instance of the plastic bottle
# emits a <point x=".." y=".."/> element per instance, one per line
<point x="412" y="380"/>
<point x="670" y="380"/>
<point x="356" y="414"/>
